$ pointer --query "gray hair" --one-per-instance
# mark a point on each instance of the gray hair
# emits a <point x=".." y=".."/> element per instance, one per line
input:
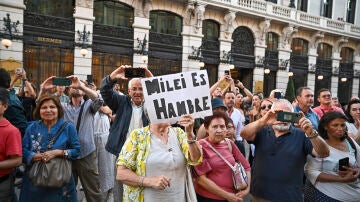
<point x="131" y="81"/>
<point x="283" y="102"/>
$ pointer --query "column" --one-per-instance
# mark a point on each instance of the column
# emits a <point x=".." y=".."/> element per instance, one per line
<point x="356" y="80"/>
<point x="282" y="77"/>
<point x="335" y="77"/>
<point x="311" y="74"/>
<point x="141" y="31"/>
<point x="83" y="17"/>
<point x="258" y="77"/>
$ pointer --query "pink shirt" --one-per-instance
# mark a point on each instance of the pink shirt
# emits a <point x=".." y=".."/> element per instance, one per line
<point x="321" y="110"/>
<point x="216" y="169"/>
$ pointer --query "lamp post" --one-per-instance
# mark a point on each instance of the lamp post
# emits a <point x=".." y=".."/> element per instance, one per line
<point x="8" y="28"/>
<point x="84" y="37"/>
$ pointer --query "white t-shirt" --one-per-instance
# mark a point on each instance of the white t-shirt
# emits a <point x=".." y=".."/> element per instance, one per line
<point x="239" y="119"/>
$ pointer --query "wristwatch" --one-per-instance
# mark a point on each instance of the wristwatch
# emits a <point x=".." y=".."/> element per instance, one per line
<point x="66" y="153"/>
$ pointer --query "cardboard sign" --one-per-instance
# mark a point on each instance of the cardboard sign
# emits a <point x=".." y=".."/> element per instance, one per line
<point x="168" y="97"/>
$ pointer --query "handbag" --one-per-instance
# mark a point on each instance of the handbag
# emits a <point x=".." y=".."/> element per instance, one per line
<point x="239" y="177"/>
<point x="55" y="173"/>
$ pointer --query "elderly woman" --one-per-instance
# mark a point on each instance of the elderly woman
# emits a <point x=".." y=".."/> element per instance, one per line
<point x="36" y="139"/>
<point x="353" y="114"/>
<point x="153" y="161"/>
<point x="325" y="180"/>
<point x="214" y="181"/>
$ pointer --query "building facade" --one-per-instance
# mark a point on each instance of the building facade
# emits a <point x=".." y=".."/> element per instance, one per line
<point x="317" y="41"/>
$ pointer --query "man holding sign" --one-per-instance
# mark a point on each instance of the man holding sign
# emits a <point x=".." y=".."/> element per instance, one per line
<point x="128" y="109"/>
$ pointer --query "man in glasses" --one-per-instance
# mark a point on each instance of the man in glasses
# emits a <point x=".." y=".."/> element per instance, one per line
<point x="325" y="103"/>
<point x="305" y="99"/>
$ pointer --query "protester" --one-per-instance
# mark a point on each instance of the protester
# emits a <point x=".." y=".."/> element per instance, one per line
<point x="81" y="114"/>
<point x="335" y="102"/>
<point x="10" y="151"/>
<point x="235" y="115"/>
<point x="265" y="106"/>
<point x="128" y="110"/>
<point x="353" y="116"/>
<point x="49" y="113"/>
<point x="326" y="181"/>
<point x="217" y="91"/>
<point x="230" y="130"/>
<point x="214" y="181"/>
<point x="27" y="96"/>
<point x="15" y="112"/>
<point x="254" y="113"/>
<point x="324" y="99"/>
<point x="60" y="92"/>
<point x="280" y="154"/>
<point x="152" y="163"/>
<point x="305" y="98"/>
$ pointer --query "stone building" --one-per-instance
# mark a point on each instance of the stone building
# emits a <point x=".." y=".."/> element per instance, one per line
<point x="263" y="41"/>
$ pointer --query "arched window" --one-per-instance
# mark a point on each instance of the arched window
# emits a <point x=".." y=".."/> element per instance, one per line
<point x="165" y="22"/>
<point x="271" y="62"/>
<point x="324" y="51"/>
<point x="211" y="51"/>
<point x="346" y="70"/>
<point x="272" y="41"/>
<point x="113" y="13"/>
<point x="63" y="8"/>
<point x="299" y="47"/>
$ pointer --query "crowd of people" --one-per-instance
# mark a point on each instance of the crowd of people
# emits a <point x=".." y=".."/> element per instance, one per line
<point x="118" y="154"/>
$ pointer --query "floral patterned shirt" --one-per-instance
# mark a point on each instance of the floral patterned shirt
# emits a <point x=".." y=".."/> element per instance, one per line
<point x="134" y="154"/>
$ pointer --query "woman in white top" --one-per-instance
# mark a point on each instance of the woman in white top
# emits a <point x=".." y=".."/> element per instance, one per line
<point x="325" y="181"/>
<point x="353" y="114"/>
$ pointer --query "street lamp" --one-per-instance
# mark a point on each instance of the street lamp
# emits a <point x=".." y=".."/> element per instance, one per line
<point x="83" y="37"/>
<point x="201" y="64"/>
<point x="267" y="71"/>
<point x="320" y="77"/>
<point x="343" y="79"/>
<point x="144" y="58"/>
<point x="8" y="28"/>
<point x="290" y="74"/>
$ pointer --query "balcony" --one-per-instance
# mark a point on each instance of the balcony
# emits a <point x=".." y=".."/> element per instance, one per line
<point x="288" y="15"/>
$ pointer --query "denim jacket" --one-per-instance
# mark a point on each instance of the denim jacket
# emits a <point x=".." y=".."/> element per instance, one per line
<point x="121" y="106"/>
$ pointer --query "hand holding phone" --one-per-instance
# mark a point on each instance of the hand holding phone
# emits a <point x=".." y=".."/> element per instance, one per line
<point x="343" y="162"/>
<point x="291" y="117"/>
<point x="61" y="81"/>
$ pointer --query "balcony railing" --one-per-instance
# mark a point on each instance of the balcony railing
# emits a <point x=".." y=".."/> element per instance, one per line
<point x="290" y="15"/>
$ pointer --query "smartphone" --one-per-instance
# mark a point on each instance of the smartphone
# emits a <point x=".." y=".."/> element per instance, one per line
<point x="227" y="72"/>
<point x="277" y="95"/>
<point x="134" y="72"/>
<point x="61" y="81"/>
<point x="19" y="70"/>
<point x="89" y="79"/>
<point x="343" y="162"/>
<point x="291" y="117"/>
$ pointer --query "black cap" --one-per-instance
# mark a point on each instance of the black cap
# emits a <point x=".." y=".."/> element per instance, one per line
<point x="217" y="102"/>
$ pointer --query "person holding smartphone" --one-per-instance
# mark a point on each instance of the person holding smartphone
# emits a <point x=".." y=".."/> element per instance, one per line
<point x="336" y="177"/>
<point x="280" y="154"/>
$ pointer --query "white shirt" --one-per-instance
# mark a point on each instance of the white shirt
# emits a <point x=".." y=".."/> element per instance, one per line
<point x="136" y="118"/>
<point x="341" y="191"/>
<point x="238" y="120"/>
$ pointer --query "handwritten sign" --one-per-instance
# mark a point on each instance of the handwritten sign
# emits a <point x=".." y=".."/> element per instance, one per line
<point x="168" y="97"/>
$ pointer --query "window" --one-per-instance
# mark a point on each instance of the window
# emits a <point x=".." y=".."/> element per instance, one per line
<point x="165" y="23"/>
<point x="347" y="55"/>
<point x="272" y="41"/>
<point x="41" y="62"/>
<point x="302" y="5"/>
<point x="324" y="51"/>
<point x="113" y="14"/>
<point x="327" y="8"/>
<point x="63" y="8"/>
<point x="211" y="30"/>
<point x="299" y="47"/>
<point x="272" y="1"/>
<point x="351" y="7"/>
<point x="104" y="63"/>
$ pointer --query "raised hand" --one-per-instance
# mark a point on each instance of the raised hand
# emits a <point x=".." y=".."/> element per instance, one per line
<point x="119" y="73"/>
<point x="75" y="82"/>
<point x="305" y="124"/>
<point x="47" y="84"/>
<point x="187" y="122"/>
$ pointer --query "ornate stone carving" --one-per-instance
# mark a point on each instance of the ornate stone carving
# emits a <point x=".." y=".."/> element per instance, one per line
<point x="228" y="25"/>
<point x="339" y="43"/>
<point x="199" y="15"/>
<point x="143" y="8"/>
<point x="189" y="13"/>
<point x="51" y="22"/>
<point x="288" y="35"/>
<point x="315" y="39"/>
<point x="85" y="3"/>
<point x="263" y="30"/>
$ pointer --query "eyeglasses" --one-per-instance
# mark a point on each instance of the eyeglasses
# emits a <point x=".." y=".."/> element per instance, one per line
<point x="264" y="107"/>
<point x="324" y="96"/>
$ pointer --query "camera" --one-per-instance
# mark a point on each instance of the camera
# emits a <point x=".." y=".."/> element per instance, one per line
<point x="277" y="95"/>
<point x="89" y="79"/>
<point x="291" y="117"/>
<point x="134" y="72"/>
<point x="227" y="72"/>
<point x="19" y="70"/>
<point x="61" y="81"/>
<point x="343" y="162"/>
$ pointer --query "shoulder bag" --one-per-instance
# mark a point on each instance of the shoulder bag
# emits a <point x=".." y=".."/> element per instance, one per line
<point x="55" y="173"/>
<point x="239" y="176"/>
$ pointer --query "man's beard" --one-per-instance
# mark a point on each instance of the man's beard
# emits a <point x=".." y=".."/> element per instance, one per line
<point x="281" y="127"/>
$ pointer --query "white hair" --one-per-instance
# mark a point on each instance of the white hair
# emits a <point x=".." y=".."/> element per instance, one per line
<point x="131" y="82"/>
<point x="283" y="102"/>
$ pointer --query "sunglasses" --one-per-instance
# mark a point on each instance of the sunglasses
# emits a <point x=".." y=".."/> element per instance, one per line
<point x="264" y="107"/>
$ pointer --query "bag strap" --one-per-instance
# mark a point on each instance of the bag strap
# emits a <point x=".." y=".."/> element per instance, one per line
<point x="79" y="117"/>
<point x="229" y="145"/>
<point x="57" y="134"/>
<point x="221" y="156"/>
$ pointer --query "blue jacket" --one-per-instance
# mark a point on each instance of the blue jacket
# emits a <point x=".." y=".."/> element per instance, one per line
<point x="121" y="106"/>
